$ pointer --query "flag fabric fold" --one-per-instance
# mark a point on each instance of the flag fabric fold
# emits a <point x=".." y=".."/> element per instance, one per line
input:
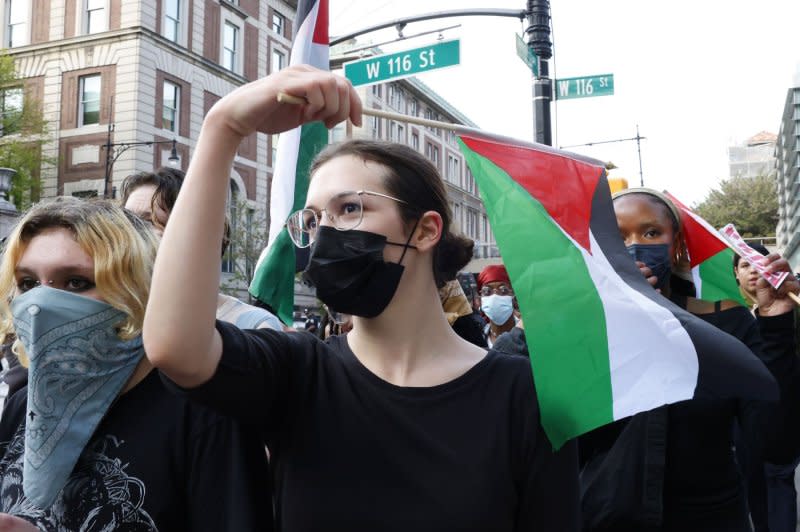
<point x="710" y="258"/>
<point x="273" y="281"/>
<point x="603" y="344"/>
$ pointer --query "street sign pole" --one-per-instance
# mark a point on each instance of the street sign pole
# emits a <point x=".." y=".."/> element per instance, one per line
<point x="538" y="31"/>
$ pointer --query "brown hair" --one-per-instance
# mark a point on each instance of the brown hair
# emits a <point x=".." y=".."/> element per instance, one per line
<point x="415" y="180"/>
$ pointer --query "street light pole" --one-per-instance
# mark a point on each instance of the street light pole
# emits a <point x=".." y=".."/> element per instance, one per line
<point x="114" y="150"/>
<point x="538" y="31"/>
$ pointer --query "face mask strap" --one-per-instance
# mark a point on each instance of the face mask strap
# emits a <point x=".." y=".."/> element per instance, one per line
<point x="407" y="245"/>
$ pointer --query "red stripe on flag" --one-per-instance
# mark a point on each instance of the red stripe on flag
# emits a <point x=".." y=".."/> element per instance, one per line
<point x="564" y="186"/>
<point x="321" y="27"/>
<point x="700" y="243"/>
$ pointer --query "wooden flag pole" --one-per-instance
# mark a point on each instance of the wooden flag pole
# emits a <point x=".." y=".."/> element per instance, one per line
<point x="795" y="298"/>
<point x="294" y="100"/>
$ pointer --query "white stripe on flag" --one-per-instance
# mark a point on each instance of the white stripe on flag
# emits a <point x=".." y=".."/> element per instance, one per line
<point x="304" y="51"/>
<point x="698" y="281"/>
<point x="652" y="358"/>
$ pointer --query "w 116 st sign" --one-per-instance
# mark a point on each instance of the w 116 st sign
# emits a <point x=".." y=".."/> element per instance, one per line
<point x="585" y="87"/>
<point x="382" y="68"/>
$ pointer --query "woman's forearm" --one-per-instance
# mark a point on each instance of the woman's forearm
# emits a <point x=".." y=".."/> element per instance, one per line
<point x="179" y="332"/>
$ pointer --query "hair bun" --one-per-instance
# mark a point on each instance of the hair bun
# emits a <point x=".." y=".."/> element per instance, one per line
<point x="452" y="255"/>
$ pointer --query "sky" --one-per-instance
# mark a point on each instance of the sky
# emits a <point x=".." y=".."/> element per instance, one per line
<point x="695" y="76"/>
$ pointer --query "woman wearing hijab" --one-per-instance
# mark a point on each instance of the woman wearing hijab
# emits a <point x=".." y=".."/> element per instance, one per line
<point x="681" y="456"/>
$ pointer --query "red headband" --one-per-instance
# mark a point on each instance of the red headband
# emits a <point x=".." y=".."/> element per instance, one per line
<point x="495" y="273"/>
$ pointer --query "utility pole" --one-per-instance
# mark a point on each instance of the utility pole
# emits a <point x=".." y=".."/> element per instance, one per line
<point x="538" y="31"/>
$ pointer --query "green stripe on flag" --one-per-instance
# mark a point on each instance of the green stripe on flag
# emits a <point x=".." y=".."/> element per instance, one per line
<point x="313" y="138"/>
<point x="562" y="311"/>
<point x="718" y="280"/>
<point x="274" y="282"/>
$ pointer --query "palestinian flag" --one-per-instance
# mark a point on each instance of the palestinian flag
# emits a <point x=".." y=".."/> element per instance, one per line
<point x="273" y="281"/>
<point x="603" y="344"/>
<point x="710" y="257"/>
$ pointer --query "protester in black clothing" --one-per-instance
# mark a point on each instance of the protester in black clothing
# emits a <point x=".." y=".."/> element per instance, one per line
<point x="400" y="424"/>
<point x="674" y="468"/>
<point x="464" y="320"/>
<point x="95" y="442"/>
<point x="771" y="493"/>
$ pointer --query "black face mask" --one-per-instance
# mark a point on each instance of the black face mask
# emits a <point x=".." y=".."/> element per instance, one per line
<point x="349" y="273"/>
<point x="656" y="257"/>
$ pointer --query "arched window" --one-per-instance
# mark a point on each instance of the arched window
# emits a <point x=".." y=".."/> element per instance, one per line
<point x="230" y="256"/>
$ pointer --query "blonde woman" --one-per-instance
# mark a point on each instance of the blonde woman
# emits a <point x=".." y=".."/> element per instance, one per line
<point x="95" y="442"/>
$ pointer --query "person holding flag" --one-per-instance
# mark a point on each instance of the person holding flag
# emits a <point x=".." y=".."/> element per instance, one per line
<point x="399" y="425"/>
<point x="683" y="453"/>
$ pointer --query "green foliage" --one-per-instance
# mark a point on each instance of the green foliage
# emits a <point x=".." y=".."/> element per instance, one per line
<point x="248" y="237"/>
<point x="24" y="132"/>
<point x="749" y="203"/>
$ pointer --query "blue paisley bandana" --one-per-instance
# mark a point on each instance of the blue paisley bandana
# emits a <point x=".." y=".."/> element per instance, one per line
<point x="78" y="366"/>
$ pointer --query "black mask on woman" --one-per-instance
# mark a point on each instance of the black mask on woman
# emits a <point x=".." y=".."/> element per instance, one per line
<point x="656" y="257"/>
<point x="349" y="273"/>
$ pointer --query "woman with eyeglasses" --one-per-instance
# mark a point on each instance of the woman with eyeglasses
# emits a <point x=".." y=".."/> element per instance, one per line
<point x="400" y="424"/>
<point x="497" y="301"/>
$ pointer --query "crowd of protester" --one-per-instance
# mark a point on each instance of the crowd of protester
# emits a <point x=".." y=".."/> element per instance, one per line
<point x="140" y="398"/>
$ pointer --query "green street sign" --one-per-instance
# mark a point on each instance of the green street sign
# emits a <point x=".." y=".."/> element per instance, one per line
<point x="528" y="57"/>
<point x="585" y="87"/>
<point x="382" y="68"/>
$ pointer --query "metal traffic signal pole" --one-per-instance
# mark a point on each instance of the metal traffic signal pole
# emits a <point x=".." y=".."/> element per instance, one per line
<point x="538" y="31"/>
<point x="538" y="14"/>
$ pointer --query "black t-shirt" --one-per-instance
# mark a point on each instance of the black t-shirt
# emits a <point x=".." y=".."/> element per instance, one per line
<point x="353" y="452"/>
<point x="156" y="462"/>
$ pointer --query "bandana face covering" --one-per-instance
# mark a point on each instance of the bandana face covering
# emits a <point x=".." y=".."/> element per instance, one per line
<point x="349" y="273"/>
<point x="78" y="366"/>
<point x="656" y="257"/>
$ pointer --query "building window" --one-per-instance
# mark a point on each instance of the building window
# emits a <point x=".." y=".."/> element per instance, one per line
<point x="472" y="223"/>
<point x="171" y="107"/>
<point x="415" y="141"/>
<point x="17" y="12"/>
<point x="89" y="100"/>
<point x="172" y="20"/>
<point x="432" y="153"/>
<point x="376" y="127"/>
<point x="414" y="107"/>
<point x="469" y="182"/>
<point x="229" y="259"/>
<point x="278" y="23"/>
<point x="11" y="110"/>
<point x="274" y="148"/>
<point x="278" y="61"/>
<point x="453" y="170"/>
<point x="230" y="46"/>
<point x="376" y="90"/>
<point x="96" y="20"/>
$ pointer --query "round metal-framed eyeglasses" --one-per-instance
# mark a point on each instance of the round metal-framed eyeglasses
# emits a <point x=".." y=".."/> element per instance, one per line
<point x="344" y="210"/>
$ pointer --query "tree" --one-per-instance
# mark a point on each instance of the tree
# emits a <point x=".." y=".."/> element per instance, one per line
<point x="249" y="232"/>
<point x="23" y="132"/>
<point x="749" y="203"/>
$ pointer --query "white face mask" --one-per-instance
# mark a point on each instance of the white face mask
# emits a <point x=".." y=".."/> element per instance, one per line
<point x="497" y="308"/>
